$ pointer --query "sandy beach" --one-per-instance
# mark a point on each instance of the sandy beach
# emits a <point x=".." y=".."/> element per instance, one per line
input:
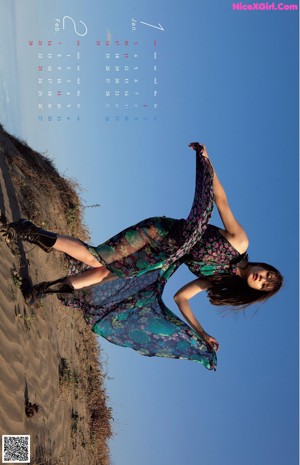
<point x="51" y="386"/>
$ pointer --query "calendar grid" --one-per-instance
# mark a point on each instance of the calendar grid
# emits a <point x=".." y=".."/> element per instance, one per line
<point x="126" y="79"/>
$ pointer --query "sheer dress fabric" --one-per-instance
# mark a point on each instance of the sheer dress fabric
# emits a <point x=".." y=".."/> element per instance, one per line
<point x="128" y="309"/>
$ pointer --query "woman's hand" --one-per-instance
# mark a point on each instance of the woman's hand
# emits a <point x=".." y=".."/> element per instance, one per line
<point x="210" y="341"/>
<point x="199" y="148"/>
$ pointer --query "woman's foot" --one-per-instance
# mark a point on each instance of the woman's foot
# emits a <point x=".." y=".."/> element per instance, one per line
<point x="25" y="230"/>
<point x="34" y="293"/>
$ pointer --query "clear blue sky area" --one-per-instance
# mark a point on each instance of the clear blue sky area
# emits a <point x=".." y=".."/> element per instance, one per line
<point x="228" y="79"/>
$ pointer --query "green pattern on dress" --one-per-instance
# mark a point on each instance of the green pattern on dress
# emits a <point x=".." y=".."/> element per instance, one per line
<point x="129" y="310"/>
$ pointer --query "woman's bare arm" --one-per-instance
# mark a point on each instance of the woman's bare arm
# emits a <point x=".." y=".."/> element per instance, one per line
<point x="231" y="225"/>
<point x="234" y="232"/>
<point x="182" y="298"/>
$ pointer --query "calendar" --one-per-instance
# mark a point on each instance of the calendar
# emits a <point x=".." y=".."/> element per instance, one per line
<point x="110" y="95"/>
<point x="58" y="82"/>
<point x="125" y="74"/>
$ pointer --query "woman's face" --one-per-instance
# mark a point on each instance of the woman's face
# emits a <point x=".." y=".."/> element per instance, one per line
<point x="259" y="278"/>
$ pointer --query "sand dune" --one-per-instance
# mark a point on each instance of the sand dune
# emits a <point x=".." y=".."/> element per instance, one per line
<point x="45" y="350"/>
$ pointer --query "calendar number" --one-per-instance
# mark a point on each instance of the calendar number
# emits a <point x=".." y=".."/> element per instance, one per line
<point x="74" y="25"/>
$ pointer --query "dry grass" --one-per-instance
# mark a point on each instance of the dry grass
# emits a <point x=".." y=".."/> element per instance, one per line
<point x="36" y="179"/>
<point x="52" y="201"/>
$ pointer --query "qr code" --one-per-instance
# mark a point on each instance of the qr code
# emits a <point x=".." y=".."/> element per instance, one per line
<point x="15" y="448"/>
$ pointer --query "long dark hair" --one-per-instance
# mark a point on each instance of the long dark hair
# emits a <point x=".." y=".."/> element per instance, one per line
<point x="232" y="290"/>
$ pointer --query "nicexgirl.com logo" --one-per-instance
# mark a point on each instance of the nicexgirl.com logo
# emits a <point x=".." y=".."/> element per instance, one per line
<point x="264" y="6"/>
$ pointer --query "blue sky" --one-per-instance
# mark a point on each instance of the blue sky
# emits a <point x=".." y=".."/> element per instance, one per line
<point x="230" y="80"/>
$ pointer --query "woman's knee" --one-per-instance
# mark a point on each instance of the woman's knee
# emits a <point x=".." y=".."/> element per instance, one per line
<point x="101" y="272"/>
<point x="92" y="261"/>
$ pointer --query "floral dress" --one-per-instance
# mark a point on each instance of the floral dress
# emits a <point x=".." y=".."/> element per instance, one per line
<point x="128" y="309"/>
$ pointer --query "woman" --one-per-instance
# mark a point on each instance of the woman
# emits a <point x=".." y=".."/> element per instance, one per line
<point x="119" y="284"/>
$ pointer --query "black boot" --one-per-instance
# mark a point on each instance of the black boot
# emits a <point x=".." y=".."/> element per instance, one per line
<point x="27" y="231"/>
<point x="59" y="286"/>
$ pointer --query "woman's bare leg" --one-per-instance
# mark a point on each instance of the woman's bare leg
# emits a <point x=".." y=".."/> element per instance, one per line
<point x="77" y="250"/>
<point x="90" y="277"/>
